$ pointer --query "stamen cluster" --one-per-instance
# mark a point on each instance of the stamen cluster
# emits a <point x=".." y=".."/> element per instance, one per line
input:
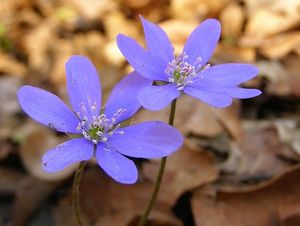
<point x="101" y="127"/>
<point x="181" y="72"/>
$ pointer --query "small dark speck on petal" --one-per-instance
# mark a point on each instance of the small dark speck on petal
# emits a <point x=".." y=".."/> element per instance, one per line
<point x="51" y="125"/>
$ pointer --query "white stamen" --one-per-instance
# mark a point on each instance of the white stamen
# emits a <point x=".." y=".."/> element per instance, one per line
<point x="182" y="73"/>
<point x="101" y="127"/>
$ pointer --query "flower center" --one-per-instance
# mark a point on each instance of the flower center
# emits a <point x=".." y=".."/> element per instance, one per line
<point x="101" y="127"/>
<point x="181" y="72"/>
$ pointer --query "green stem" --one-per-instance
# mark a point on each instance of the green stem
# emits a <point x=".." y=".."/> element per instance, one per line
<point x="75" y="198"/>
<point x="159" y="176"/>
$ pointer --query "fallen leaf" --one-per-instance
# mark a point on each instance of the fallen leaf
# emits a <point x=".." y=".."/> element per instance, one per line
<point x="116" y="23"/>
<point x="276" y="16"/>
<point x="36" y="141"/>
<point x="30" y="194"/>
<point x="291" y="63"/>
<point x="106" y="202"/>
<point x="259" y="155"/>
<point x="228" y="53"/>
<point x="178" y="31"/>
<point x="195" y="117"/>
<point x="10" y="66"/>
<point x="185" y="170"/>
<point x="277" y="76"/>
<point x="135" y="4"/>
<point x="271" y="204"/>
<point x="10" y="180"/>
<point x="94" y="9"/>
<point x="191" y="9"/>
<point x="8" y="86"/>
<point x="232" y="19"/>
<point x="280" y="45"/>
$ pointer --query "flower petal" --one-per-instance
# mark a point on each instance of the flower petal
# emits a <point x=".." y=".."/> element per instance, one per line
<point x="47" y="109"/>
<point x="158" y="42"/>
<point x="157" y="97"/>
<point x="65" y="154"/>
<point x="140" y="59"/>
<point x="147" y="140"/>
<point x="83" y="87"/>
<point x="227" y="75"/>
<point x="116" y="165"/>
<point x="202" y="41"/>
<point x="215" y="99"/>
<point x="242" y="93"/>
<point x="124" y="95"/>
<point x="236" y="92"/>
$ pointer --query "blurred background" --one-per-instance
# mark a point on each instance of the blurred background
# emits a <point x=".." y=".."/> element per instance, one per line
<point x="239" y="166"/>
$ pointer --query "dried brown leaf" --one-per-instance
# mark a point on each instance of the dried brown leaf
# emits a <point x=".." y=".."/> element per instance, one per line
<point x="273" y="23"/>
<point x="10" y="180"/>
<point x="37" y="140"/>
<point x="178" y="31"/>
<point x="278" y="76"/>
<point x="232" y="20"/>
<point x="258" y="155"/>
<point x="106" y="202"/>
<point x="280" y="45"/>
<point x="195" y="9"/>
<point x="274" y="203"/>
<point x="228" y="53"/>
<point x="9" y="105"/>
<point x="185" y="170"/>
<point x="195" y="117"/>
<point x="10" y="66"/>
<point x="94" y="9"/>
<point x="116" y="23"/>
<point x="30" y="193"/>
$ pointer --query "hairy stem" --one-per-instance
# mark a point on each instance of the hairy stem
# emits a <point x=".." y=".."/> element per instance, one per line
<point x="159" y="176"/>
<point x="75" y="198"/>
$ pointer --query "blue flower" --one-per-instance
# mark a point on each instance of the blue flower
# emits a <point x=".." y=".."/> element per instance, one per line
<point x="188" y="72"/>
<point x="101" y="133"/>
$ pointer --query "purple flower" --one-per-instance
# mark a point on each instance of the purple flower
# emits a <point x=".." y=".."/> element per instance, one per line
<point x="188" y="72"/>
<point x="102" y="134"/>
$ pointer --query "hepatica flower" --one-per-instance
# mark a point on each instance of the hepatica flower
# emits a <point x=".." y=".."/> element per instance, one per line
<point x="187" y="72"/>
<point x="100" y="133"/>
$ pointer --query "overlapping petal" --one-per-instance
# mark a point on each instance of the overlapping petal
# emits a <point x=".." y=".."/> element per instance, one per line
<point x="158" y="43"/>
<point x="242" y="93"/>
<point x="226" y="75"/>
<point x="116" y="165"/>
<point x="124" y="95"/>
<point x="157" y="97"/>
<point x="47" y="109"/>
<point x="202" y="41"/>
<point x="83" y="86"/>
<point x="147" y="140"/>
<point x="215" y="99"/>
<point x="65" y="154"/>
<point x="235" y="92"/>
<point x="140" y="59"/>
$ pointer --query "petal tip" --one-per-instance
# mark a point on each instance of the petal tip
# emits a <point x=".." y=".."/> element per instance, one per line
<point x="77" y="59"/>
<point x="128" y="180"/>
<point x="141" y="17"/>
<point x="255" y="70"/>
<point x="23" y="89"/>
<point x="255" y="93"/>
<point x="120" y="36"/>
<point x="213" y="24"/>
<point x="259" y="92"/>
